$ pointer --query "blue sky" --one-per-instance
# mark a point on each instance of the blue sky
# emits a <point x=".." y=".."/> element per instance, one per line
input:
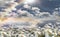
<point x="48" y="5"/>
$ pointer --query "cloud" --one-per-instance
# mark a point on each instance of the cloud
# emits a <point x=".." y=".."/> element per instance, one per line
<point x="35" y="8"/>
<point x="55" y="13"/>
<point x="34" y="16"/>
<point x="3" y="2"/>
<point x="43" y="14"/>
<point x="24" y="13"/>
<point x="27" y="6"/>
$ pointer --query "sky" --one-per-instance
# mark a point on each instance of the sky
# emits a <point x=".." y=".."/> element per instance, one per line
<point x="50" y="5"/>
<point x="39" y="12"/>
<point x="46" y="5"/>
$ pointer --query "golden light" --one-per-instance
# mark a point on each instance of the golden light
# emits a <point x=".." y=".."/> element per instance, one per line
<point x="29" y="1"/>
<point x="23" y="19"/>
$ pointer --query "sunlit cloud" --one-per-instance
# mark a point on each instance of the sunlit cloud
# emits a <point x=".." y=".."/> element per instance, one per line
<point x="29" y="1"/>
<point x="27" y="6"/>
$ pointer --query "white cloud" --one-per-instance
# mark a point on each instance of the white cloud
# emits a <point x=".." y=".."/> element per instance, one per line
<point x="3" y="2"/>
<point x="43" y="14"/>
<point x="24" y="13"/>
<point x="27" y="6"/>
<point x="55" y="13"/>
<point x="35" y="8"/>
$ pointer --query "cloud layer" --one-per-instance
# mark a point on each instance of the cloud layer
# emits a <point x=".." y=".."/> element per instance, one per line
<point x="29" y="14"/>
